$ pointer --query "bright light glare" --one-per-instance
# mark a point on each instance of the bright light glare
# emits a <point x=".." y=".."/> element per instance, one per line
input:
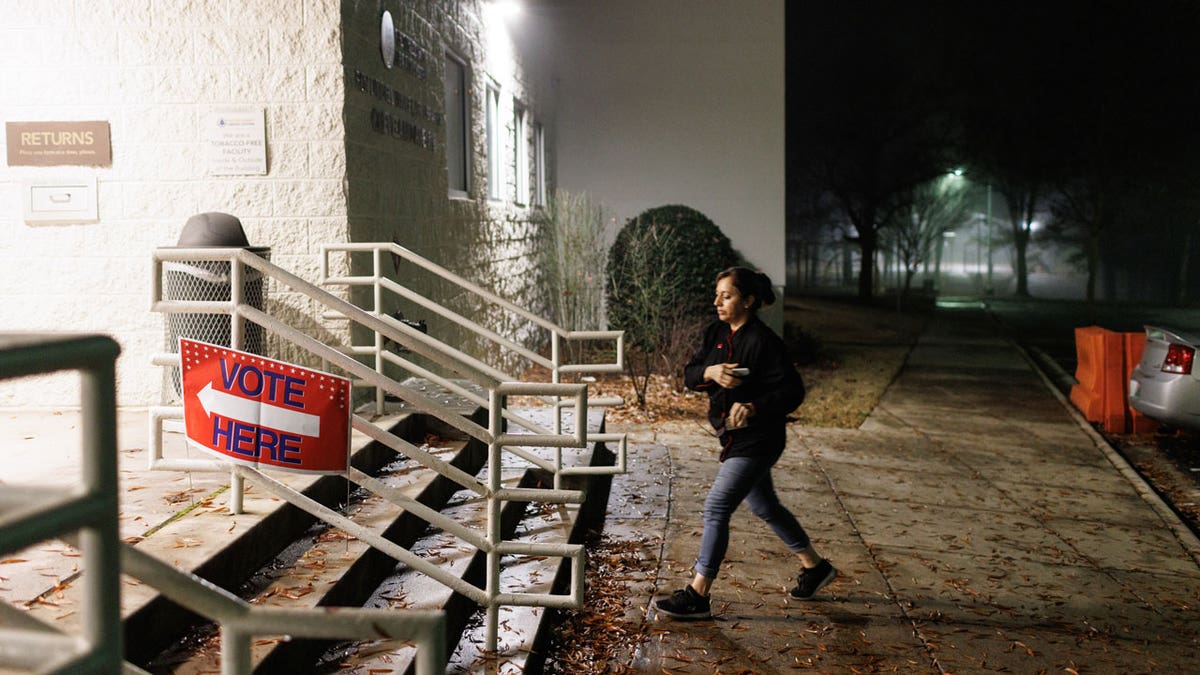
<point x="507" y="9"/>
<point x="1034" y="226"/>
<point x="958" y="172"/>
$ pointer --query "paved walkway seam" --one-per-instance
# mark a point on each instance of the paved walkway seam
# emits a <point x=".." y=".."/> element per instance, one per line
<point x="926" y="643"/>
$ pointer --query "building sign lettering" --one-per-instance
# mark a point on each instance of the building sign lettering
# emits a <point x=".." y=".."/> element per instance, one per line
<point x="384" y="93"/>
<point x="58" y="143"/>
<point x="387" y="121"/>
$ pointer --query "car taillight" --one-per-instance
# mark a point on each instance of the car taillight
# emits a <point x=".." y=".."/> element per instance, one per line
<point x="1179" y="359"/>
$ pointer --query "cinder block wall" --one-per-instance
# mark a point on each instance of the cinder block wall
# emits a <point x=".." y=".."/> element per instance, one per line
<point x="154" y="69"/>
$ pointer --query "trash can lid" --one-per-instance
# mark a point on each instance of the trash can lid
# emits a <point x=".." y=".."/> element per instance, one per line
<point x="213" y="229"/>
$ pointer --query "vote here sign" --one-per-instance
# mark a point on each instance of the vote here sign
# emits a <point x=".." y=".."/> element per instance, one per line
<point x="264" y="413"/>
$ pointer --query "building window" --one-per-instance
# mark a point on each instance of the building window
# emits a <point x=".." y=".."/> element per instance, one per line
<point x="539" y="165"/>
<point x="521" y="152"/>
<point x="495" y="174"/>
<point x="456" y="126"/>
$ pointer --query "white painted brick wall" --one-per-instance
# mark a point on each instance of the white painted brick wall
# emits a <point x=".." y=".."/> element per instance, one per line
<point x="154" y="68"/>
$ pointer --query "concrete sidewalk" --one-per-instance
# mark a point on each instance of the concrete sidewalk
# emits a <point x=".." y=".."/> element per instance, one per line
<point x="978" y="523"/>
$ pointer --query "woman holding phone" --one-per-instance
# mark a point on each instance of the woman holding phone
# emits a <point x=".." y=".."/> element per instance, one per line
<point x="752" y="385"/>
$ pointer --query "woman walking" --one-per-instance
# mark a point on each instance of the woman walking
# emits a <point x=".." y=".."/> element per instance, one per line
<point x="751" y="386"/>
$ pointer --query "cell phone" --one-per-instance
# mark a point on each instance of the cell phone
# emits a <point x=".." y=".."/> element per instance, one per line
<point x="740" y="372"/>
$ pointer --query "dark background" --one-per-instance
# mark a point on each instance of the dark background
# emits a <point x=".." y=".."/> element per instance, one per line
<point x="1092" y="103"/>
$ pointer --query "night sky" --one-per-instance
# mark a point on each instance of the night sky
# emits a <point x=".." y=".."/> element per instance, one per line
<point x="1095" y="100"/>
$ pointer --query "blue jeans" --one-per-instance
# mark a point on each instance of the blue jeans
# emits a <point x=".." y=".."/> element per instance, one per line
<point x="738" y="479"/>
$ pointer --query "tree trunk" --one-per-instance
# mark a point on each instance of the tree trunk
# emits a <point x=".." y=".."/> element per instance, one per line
<point x="1022" y="205"/>
<point x="1021" y="245"/>
<point x="866" y="271"/>
<point x="902" y="296"/>
<point x="937" y="265"/>
<point x="1093" y="265"/>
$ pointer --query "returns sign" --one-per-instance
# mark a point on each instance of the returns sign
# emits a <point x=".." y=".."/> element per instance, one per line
<point x="264" y="413"/>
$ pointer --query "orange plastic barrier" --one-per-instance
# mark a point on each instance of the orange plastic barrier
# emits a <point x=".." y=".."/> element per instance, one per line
<point x="1086" y="394"/>
<point x="1106" y="359"/>
<point x="1100" y="394"/>
<point x="1134" y="344"/>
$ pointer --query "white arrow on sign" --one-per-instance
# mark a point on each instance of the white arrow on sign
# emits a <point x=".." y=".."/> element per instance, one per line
<point x="257" y="412"/>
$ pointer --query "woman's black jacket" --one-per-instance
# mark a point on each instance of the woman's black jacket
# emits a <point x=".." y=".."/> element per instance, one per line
<point x="773" y="386"/>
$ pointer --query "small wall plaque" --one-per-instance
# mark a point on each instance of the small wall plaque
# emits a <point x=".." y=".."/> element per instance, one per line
<point x="236" y="139"/>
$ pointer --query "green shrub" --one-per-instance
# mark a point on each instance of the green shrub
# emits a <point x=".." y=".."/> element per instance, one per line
<point x="661" y="273"/>
<point x="664" y="262"/>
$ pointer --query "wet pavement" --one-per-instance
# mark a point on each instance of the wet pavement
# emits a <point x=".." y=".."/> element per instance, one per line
<point x="979" y="525"/>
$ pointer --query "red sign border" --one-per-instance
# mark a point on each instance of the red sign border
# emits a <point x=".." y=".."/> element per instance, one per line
<point x="256" y="465"/>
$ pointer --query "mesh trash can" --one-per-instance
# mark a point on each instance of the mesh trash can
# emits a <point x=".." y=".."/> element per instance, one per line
<point x="210" y="280"/>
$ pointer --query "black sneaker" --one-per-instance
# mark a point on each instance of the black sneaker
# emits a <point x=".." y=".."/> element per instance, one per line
<point x="812" y="580"/>
<point x="685" y="603"/>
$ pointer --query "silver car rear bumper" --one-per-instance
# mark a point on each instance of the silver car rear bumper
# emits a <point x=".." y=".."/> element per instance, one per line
<point x="1166" y="397"/>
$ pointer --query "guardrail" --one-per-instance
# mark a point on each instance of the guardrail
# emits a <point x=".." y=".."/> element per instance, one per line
<point x="32" y="514"/>
<point x="381" y="283"/>
<point x="87" y="516"/>
<point x="242" y="315"/>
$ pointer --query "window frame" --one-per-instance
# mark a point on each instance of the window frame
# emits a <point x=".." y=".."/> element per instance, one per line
<point x="495" y="141"/>
<point x="539" y="165"/>
<point x="521" y="151"/>
<point x="461" y="125"/>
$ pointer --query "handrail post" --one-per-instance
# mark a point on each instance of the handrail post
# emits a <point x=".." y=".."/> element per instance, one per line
<point x="89" y="509"/>
<point x="235" y="650"/>
<point x="99" y="541"/>
<point x="555" y="377"/>
<point x="377" y="263"/>
<point x="237" y="325"/>
<point x="494" y="535"/>
<point x="430" y="659"/>
<point x="554" y="350"/>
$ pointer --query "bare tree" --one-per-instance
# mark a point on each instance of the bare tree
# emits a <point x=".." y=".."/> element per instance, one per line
<point x="575" y="260"/>
<point x="926" y="213"/>
<point x="649" y="285"/>
<point x="869" y="116"/>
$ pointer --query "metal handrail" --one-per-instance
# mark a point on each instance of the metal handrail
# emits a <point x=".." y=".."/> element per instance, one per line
<point x="380" y="282"/>
<point x="240" y="621"/>
<point x="495" y="435"/>
<point x="90" y="509"/>
<point x="30" y="515"/>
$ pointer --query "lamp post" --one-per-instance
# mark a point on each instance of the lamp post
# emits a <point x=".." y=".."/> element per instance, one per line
<point x="978" y="257"/>
<point x="989" y="289"/>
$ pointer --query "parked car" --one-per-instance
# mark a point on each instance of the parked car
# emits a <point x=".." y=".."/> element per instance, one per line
<point x="1164" y="386"/>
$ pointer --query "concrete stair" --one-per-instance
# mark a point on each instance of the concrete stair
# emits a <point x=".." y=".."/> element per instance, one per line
<point x="276" y="554"/>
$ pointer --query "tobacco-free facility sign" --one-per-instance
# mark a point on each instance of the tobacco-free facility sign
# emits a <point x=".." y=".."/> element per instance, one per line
<point x="236" y="140"/>
<point x="262" y="412"/>
<point x="58" y="143"/>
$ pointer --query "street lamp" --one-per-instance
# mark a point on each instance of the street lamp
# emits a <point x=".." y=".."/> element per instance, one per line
<point x="989" y="289"/>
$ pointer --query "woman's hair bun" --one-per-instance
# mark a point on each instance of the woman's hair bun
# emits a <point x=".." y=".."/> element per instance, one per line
<point x="765" y="287"/>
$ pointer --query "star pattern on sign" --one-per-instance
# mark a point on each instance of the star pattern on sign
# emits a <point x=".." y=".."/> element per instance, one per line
<point x="194" y="353"/>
